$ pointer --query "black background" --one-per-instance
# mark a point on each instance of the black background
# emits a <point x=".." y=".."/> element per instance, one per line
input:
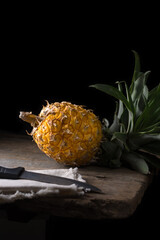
<point x="57" y="58"/>
<point x="55" y="55"/>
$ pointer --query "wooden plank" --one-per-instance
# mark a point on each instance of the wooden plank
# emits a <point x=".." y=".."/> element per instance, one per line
<point x="123" y="189"/>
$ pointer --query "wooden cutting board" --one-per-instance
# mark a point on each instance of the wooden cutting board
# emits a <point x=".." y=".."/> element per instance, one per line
<point x="123" y="189"/>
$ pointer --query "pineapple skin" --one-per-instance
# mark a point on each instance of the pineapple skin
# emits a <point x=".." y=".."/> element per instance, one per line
<point x="68" y="133"/>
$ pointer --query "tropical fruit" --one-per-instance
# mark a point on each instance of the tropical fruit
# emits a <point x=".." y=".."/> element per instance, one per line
<point x="66" y="132"/>
<point x="73" y="135"/>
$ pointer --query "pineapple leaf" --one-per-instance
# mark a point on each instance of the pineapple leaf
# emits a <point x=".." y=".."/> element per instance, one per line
<point x="131" y="113"/>
<point x="114" y="92"/>
<point x="120" y="106"/>
<point x="137" y="69"/>
<point x="113" y="153"/>
<point x="124" y="120"/>
<point x="134" y="135"/>
<point x="129" y="98"/>
<point x="121" y="137"/>
<point x="145" y="141"/>
<point x="150" y="158"/>
<point x="153" y="92"/>
<point x="136" y="162"/>
<point x="153" y="147"/>
<point x="139" y="93"/>
<point x="154" y="128"/>
<point x="141" y="103"/>
<point x="115" y="125"/>
<point x="138" y="85"/>
<point x="151" y="112"/>
<point x="122" y="112"/>
<point x="145" y="138"/>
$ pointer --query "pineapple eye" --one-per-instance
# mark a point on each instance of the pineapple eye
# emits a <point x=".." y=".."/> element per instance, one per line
<point x="78" y="137"/>
<point x="52" y="149"/>
<point x="65" y="144"/>
<point x="69" y="154"/>
<point x="87" y="129"/>
<point x="65" y="119"/>
<point x="81" y="149"/>
<point x="77" y="122"/>
<point x="44" y="128"/>
<point x="68" y="131"/>
<point x="81" y="146"/>
<point x="55" y="126"/>
<point x="73" y="112"/>
<point x="39" y="137"/>
<point x="90" y="139"/>
<point x="55" y="139"/>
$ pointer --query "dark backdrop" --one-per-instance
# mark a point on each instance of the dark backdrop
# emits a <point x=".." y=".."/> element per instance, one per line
<point x="58" y="62"/>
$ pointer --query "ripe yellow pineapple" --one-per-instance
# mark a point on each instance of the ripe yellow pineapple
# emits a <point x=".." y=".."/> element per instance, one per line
<point x="66" y="132"/>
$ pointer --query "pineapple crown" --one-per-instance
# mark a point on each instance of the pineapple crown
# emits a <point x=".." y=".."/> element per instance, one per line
<point x="133" y="139"/>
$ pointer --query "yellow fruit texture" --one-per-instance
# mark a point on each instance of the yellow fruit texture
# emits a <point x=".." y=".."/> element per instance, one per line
<point x="66" y="132"/>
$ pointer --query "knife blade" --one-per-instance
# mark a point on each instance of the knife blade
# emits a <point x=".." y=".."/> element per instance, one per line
<point x="21" y="173"/>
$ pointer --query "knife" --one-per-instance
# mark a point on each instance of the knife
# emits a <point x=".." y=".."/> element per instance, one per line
<point x="21" y="173"/>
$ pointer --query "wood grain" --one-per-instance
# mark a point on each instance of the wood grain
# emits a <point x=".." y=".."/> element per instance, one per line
<point x="123" y="189"/>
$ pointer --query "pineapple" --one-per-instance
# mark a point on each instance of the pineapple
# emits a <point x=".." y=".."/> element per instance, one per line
<point x="66" y="132"/>
<point x="133" y="139"/>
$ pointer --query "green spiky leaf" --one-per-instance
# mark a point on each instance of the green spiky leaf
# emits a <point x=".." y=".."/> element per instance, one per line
<point x="151" y="113"/>
<point x="114" y="92"/>
<point x="113" y="155"/>
<point x="153" y="147"/>
<point x="136" y="122"/>
<point x="136" y="162"/>
<point x="137" y="67"/>
<point x="151" y="159"/>
<point x="137" y="140"/>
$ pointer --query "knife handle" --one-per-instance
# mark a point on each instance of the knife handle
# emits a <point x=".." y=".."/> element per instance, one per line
<point x="11" y="173"/>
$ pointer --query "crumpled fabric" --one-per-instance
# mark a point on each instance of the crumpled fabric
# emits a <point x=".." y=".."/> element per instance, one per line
<point x="12" y="190"/>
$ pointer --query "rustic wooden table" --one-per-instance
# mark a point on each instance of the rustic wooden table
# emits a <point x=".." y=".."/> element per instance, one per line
<point x="123" y="189"/>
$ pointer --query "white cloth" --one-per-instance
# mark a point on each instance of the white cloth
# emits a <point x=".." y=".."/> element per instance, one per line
<point x="11" y="190"/>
